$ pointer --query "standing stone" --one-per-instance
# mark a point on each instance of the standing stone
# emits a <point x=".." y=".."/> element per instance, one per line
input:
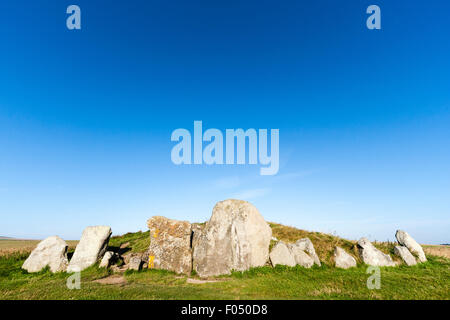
<point x="406" y="256"/>
<point x="343" y="259"/>
<point x="106" y="260"/>
<point x="235" y="238"/>
<point x="372" y="256"/>
<point x="90" y="249"/>
<point x="50" y="252"/>
<point x="170" y="245"/>
<point x="305" y="244"/>
<point x="300" y="256"/>
<point x="406" y="240"/>
<point x="281" y="254"/>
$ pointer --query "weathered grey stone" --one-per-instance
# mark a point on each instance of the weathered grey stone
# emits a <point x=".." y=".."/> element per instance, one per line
<point x="135" y="263"/>
<point x="406" y="256"/>
<point x="50" y="252"/>
<point x="343" y="259"/>
<point x="106" y="260"/>
<point x="372" y="256"/>
<point x="406" y="240"/>
<point x="90" y="249"/>
<point x="306" y="245"/>
<point x="170" y="245"/>
<point x="300" y="256"/>
<point x="235" y="238"/>
<point x="281" y="254"/>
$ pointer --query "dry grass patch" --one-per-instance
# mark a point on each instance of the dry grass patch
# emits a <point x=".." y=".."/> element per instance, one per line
<point x="8" y="247"/>
<point x="437" y="250"/>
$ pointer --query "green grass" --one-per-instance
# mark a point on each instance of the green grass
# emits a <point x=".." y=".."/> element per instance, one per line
<point x="430" y="280"/>
<point x="425" y="281"/>
<point x="137" y="242"/>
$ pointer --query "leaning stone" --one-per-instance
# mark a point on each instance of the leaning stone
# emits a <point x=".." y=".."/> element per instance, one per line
<point x="306" y="245"/>
<point x="406" y="256"/>
<point x="106" y="260"/>
<point x="343" y="259"/>
<point x="300" y="256"/>
<point x="90" y="249"/>
<point x="406" y="240"/>
<point x="235" y="238"/>
<point x="372" y="256"/>
<point x="281" y="254"/>
<point x="50" y="252"/>
<point x="170" y="245"/>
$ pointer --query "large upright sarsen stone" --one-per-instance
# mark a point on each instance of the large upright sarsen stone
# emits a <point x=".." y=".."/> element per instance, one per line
<point x="170" y="245"/>
<point x="90" y="249"/>
<point x="50" y="252"/>
<point x="235" y="238"/>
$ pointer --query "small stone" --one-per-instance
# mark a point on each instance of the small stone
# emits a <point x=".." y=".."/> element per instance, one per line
<point x="343" y="259"/>
<point x="281" y="254"/>
<point x="106" y="260"/>
<point x="135" y="263"/>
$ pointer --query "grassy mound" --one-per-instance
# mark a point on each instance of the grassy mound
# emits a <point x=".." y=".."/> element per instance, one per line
<point x="428" y="280"/>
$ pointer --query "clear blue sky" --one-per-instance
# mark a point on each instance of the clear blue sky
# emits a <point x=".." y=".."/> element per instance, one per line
<point x="86" y="116"/>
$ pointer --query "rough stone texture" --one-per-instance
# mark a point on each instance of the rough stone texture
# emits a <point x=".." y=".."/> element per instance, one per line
<point x="135" y="263"/>
<point x="406" y="256"/>
<point x="372" y="256"/>
<point x="306" y="245"/>
<point x="170" y="245"/>
<point x="235" y="238"/>
<point x="50" y="252"/>
<point x="281" y="254"/>
<point x="300" y="256"/>
<point x="343" y="259"/>
<point x="106" y="260"/>
<point x="90" y="249"/>
<point x="406" y="240"/>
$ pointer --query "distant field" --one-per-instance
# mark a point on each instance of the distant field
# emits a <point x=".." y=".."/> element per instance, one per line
<point x="437" y="250"/>
<point x="12" y="246"/>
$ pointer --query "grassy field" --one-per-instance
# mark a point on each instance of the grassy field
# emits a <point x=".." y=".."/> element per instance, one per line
<point x="429" y="280"/>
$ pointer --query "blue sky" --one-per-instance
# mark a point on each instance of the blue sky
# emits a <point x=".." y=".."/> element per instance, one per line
<point x="86" y="116"/>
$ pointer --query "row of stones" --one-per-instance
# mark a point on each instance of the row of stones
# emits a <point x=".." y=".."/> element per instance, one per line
<point x="235" y="238"/>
